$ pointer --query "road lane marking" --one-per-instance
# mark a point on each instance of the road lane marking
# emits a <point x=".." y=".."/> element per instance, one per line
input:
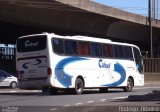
<point x="66" y="105"/>
<point x="8" y="91"/>
<point x="90" y="101"/>
<point x="12" y="91"/>
<point x="102" y="100"/>
<point x="78" y="104"/>
<point x="53" y="109"/>
<point x="123" y="97"/>
<point x="3" y="92"/>
<point x="18" y="91"/>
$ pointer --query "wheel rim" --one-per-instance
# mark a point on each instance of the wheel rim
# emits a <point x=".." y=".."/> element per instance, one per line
<point x="79" y="87"/>
<point x="13" y="85"/>
<point x="129" y="85"/>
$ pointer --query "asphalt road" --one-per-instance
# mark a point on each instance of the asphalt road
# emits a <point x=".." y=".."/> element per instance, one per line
<point x="115" y="100"/>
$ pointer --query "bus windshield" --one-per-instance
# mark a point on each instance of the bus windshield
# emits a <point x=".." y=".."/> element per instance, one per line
<point x="32" y="43"/>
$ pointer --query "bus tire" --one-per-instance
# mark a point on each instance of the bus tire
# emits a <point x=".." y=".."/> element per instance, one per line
<point x="79" y="85"/>
<point x="129" y="86"/>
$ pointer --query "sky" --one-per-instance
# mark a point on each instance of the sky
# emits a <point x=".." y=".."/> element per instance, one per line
<point x="133" y="6"/>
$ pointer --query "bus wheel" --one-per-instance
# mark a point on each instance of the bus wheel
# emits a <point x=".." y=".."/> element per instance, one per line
<point x="129" y="86"/>
<point x="79" y="86"/>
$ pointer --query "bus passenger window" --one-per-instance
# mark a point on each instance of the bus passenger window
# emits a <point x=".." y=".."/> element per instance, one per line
<point x="107" y="51"/>
<point x="83" y="48"/>
<point x="70" y="47"/>
<point x="118" y="51"/>
<point x="96" y="50"/>
<point x="128" y="52"/>
<point x="58" y="45"/>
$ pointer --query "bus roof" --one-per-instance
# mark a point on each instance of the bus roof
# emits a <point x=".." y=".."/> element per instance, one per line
<point x="82" y="38"/>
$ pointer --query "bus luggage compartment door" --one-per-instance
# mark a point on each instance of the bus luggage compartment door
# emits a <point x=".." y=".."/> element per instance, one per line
<point x="32" y="68"/>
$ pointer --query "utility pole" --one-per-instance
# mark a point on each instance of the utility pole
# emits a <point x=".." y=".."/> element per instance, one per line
<point x="150" y="27"/>
<point x="153" y="11"/>
<point x="156" y="9"/>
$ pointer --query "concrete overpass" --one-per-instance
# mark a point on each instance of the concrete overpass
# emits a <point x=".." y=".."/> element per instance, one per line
<point x="74" y="17"/>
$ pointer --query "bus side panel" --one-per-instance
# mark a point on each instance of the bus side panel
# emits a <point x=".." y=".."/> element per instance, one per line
<point x="67" y="69"/>
<point x="95" y="72"/>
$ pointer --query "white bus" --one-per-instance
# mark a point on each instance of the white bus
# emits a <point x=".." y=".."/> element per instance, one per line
<point x="51" y="62"/>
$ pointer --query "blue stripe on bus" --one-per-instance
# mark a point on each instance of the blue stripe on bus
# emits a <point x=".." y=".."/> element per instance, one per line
<point x="65" y="79"/>
<point x="61" y="75"/>
<point x="119" y="69"/>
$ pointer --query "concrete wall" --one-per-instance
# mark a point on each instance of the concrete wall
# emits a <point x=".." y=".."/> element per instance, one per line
<point x="84" y="17"/>
<point x="153" y="78"/>
<point x="95" y="7"/>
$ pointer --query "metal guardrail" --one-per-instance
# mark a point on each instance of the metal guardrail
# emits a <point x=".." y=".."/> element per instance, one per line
<point x="152" y="65"/>
<point x="7" y="60"/>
